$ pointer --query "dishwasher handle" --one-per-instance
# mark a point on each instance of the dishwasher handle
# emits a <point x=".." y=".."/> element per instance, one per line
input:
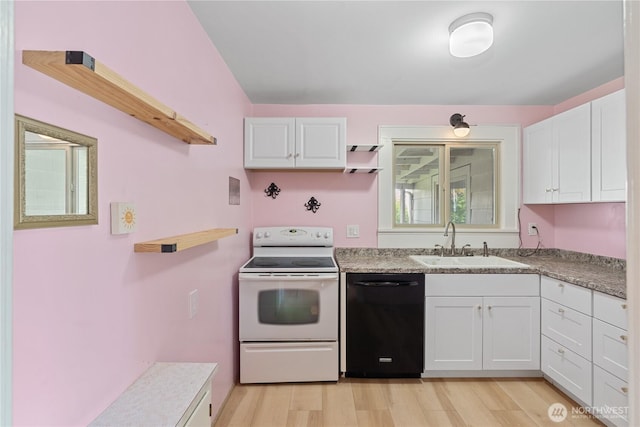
<point x="384" y="283"/>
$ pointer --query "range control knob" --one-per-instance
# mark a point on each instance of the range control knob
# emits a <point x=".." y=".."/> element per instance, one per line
<point x="327" y="235"/>
<point x="259" y="235"/>
<point x="267" y="234"/>
<point x="318" y="234"/>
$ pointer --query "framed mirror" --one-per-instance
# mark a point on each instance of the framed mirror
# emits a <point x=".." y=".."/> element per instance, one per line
<point x="56" y="176"/>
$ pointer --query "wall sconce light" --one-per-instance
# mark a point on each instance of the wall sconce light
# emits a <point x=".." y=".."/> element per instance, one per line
<point x="470" y="35"/>
<point x="460" y="127"/>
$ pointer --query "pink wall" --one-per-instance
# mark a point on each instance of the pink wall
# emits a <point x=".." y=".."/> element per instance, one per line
<point x="598" y="228"/>
<point x="90" y="315"/>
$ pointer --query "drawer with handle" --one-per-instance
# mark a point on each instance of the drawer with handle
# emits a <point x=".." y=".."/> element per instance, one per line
<point x="611" y="309"/>
<point x="567" y="294"/>
<point x="610" y="348"/>
<point x="567" y="369"/>
<point x="567" y="327"/>
<point x="610" y="397"/>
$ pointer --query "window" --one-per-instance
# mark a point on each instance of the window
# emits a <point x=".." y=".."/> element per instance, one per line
<point x="436" y="181"/>
<point x="54" y="183"/>
<point x="417" y="219"/>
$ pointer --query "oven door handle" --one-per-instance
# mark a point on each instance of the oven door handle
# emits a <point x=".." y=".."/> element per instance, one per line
<point x="287" y="276"/>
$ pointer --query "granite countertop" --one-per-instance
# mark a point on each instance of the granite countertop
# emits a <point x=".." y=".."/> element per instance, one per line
<point x="603" y="274"/>
<point x="160" y="397"/>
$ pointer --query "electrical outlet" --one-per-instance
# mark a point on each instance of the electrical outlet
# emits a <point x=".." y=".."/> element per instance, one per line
<point x="532" y="229"/>
<point x="353" y="231"/>
<point x="193" y="303"/>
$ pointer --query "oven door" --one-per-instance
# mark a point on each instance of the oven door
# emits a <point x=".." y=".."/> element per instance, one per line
<point x="288" y="307"/>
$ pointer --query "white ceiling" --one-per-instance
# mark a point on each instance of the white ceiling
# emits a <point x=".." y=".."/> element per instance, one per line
<point x="396" y="52"/>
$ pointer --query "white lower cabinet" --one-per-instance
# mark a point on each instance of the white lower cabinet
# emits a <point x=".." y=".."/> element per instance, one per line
<point x="510" y="331"/>
<point x="584" y="347"/>
<point x="478" y="332"/>
<point x="610" y="359"/>
<point x="567" y="327"/>
<point x="453" y="337"/>
<point x="567" y="336"/>
<point x="610" y="348"/>
<point x="567" y="369"/>
<point x="610" y="397"/>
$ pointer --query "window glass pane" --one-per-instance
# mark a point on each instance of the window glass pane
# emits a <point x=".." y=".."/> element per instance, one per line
<point x="288" y="306"/>
<point x="45" y="181"/>
<point x="417" y="184"/>
<point x="472" y="195"/>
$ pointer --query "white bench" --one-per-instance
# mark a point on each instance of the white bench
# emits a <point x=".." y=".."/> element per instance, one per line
<point x="167" y="394"/>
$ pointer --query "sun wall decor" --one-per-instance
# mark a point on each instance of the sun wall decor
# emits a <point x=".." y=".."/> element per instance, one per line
<point x="123" y="218"/>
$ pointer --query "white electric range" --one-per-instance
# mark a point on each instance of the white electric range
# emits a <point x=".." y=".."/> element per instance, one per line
<point x="288" y="307"/>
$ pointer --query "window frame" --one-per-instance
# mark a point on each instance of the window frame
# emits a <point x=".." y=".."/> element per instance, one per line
<point x="504" y="235"/>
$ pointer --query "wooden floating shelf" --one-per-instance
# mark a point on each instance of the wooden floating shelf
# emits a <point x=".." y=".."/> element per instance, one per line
<point x="361" y="169"/>
<point x="183" y="241"/>
<point x="368" y="147"/>
<point x="82" y="72"/>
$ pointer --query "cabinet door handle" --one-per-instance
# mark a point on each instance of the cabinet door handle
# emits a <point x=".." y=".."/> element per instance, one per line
<point x="561" y="310"/>
<point x="297" y="155"/>
<point x="561" y="285"/>
<point x="561" y="351"/>
<point x="290" y="155"/>
<point x="624" y="306"/>
<point x="623" y="338"/>
<point x="547" y="190"/>
<point x="624" y="389"/>
<point x="479" y="307"/>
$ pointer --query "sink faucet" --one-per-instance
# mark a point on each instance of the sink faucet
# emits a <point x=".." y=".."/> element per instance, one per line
<point x="453" y="236"/>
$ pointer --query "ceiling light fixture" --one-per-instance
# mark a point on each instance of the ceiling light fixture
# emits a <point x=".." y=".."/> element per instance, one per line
<point x="471" y="34"/>
<point x="460" y="127"/>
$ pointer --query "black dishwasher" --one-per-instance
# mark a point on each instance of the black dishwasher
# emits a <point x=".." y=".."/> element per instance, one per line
<point x="385" y="325"/>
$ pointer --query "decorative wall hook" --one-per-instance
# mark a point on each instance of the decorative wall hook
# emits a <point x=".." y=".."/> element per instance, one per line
<point x="272" y="191"/>
<point x="312" y="205"/>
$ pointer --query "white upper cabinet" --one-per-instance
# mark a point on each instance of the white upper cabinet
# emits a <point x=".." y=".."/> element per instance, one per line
<point x="301" y="143"/>
<point x="557" y="158"/>
<point x="537" y="167"/>
<point x="608" y="163"/>
<point x="572" y="136"/>
<point x="577" y="156"/>
<point x="269" y="142"/>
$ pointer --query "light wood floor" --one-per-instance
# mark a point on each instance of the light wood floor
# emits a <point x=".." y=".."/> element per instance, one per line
<point x="399" y="403"/>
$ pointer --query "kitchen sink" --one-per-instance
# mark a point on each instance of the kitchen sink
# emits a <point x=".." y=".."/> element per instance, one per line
<point x="466" y="262"/>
